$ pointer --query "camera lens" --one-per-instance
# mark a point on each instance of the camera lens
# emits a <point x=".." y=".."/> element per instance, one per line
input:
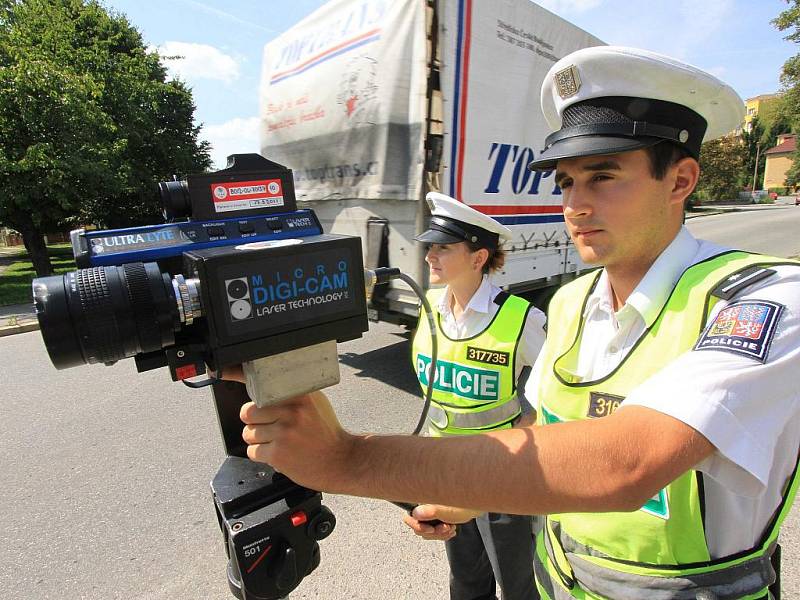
<point x="104" y="314"/>
<point x="237" y="289"/>
<point x="175" y="201"/>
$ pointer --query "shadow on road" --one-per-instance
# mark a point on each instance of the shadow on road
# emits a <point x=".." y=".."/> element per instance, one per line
<point x="390" y="365"/>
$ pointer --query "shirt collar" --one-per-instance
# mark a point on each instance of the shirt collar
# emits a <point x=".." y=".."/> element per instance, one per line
<point x="652" y="292"/>
<point x="600" y="297"/>
<point x="480" y="302"/>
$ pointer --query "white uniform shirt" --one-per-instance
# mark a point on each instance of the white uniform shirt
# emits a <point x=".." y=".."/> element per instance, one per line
<point x="477" y="316"/>
<point x="750" y="411"/>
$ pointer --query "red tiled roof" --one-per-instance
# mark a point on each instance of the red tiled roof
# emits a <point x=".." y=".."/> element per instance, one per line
<point x="788" y="145"/>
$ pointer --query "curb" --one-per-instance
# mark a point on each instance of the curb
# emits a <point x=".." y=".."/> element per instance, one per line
<point x="21" y="328"/>
<point x="705" y="213"/>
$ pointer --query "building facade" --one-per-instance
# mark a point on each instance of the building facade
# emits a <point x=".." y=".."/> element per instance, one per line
<point x="779" y="159"/>
<point x="752" y="107"/>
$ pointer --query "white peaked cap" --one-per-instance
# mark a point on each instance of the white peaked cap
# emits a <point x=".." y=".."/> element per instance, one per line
<point x="608" y="99"/>
<point x="453" y="221"/>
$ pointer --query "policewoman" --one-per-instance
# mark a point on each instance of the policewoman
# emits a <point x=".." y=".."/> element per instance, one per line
<point x="667" y="389"/>
<point x="485" y="338"/>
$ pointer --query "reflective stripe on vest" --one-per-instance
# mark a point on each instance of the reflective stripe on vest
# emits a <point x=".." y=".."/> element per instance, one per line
<point x="738" y="581"/>
<point x="661" y="547"/>
<point x="475" y="378"/>
<point x="635" y="587"/>
<point x="445" y="418"/>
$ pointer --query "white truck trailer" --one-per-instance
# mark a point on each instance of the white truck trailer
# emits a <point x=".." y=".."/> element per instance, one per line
<point x="373" y="103"/>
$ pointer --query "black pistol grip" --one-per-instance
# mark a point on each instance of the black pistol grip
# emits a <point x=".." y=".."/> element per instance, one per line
<point x="409" y="507"/>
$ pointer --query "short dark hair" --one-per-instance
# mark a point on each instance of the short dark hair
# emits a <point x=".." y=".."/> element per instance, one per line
<point x="496" y="260"/>
<point x="663" y="155"/>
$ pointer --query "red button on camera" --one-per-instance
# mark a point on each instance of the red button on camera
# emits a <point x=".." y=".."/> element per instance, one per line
<point x="186" y="372"/>
<point x="298" y="518"/>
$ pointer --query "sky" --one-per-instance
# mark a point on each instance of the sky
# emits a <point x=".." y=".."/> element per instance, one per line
<point x="221" y="43"/>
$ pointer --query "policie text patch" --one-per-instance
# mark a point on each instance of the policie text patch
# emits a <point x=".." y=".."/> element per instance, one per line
<point x="743" y="327"/>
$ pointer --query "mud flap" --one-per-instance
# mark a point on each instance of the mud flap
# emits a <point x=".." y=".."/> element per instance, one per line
<point x="377" y="255"/>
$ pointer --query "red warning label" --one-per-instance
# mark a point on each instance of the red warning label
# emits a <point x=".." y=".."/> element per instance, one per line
<point x="243" y="195"/>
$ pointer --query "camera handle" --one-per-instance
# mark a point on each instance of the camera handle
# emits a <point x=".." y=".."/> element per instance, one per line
<point x="271" y="526"/>
<point x="289" y="374"/>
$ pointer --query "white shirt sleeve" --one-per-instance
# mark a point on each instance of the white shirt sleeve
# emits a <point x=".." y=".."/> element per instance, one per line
<point x="530" y="344"/>
<point x="529" y="394"/>
<point x="532" y="340"/>
<point x="741" y="405"/>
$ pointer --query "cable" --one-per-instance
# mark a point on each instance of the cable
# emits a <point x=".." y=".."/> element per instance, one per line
<point x="383" y="275"/>
<point x="434" y="349"/>
<point x="200" y="384"/>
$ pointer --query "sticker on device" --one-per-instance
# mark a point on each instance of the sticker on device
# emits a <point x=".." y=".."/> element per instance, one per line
<point x="244" y="195"/>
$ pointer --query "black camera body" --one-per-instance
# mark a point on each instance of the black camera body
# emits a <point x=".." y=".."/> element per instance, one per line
<point x="295" y="294"/>
<point x="236" y="274"/>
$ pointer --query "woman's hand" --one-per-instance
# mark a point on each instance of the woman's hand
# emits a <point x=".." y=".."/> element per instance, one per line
<point x="449" y="515"/>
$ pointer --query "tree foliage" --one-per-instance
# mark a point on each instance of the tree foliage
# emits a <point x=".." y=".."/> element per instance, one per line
<point x="88" y="121"/>
<point x="721" y="166"/>
<point x="793" y="174"/>
<point x="754" y="149"/>
<point x="789" y="21"/>
<point x="762" y="136"/>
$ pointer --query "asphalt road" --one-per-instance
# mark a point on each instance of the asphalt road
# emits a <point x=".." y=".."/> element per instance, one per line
<point x="105" y="473"/>
<point x="768" y="230"/>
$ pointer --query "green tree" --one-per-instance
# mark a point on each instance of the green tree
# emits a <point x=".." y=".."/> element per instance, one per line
<point x="721" y="165"/>
<point x="771" y="115"/>
<point x="762" y="136"/>
<point x="793" y="174"/>
<point x="789" y="21"/>
<point x="754" y="148"/>
<point x="88" y="121"/>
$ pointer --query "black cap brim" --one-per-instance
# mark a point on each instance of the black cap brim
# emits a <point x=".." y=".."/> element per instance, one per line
<point x="588" y="145"/>
<point x="433" y="236"/>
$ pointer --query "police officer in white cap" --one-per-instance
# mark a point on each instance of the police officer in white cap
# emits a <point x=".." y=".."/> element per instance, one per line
<point x="667" y="387"/>
<point x="675" y="338"/>
<point x="485" y="331"/>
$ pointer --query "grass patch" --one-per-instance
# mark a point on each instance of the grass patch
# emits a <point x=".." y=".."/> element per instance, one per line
<point x="15" y="279"/>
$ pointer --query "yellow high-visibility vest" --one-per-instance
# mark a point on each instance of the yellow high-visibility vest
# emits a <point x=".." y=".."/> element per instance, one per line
<point x="660" y="550"/>
<point x="474" y="384"/>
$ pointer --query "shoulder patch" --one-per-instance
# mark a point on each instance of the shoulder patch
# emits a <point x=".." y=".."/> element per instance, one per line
<point x="734" y="284"/>
<point x="744" y="327"/>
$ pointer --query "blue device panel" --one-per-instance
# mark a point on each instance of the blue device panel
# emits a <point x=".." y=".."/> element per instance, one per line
<point x="154" y="242"/>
